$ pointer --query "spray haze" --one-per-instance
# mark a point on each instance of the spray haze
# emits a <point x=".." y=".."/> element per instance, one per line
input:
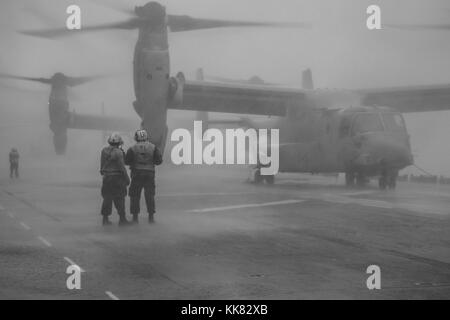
<point x="338" y="49"/>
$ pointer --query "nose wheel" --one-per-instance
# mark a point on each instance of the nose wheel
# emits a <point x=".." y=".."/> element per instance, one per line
<point x="355" y="178"/>
<point x="388" y="181"/>
<point x="349" y="179"/>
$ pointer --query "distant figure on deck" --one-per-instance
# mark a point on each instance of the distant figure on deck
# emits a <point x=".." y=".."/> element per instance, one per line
<point x="14" y="163"/>
<point x="115" y="180"/>
<point x="142" y="159"/>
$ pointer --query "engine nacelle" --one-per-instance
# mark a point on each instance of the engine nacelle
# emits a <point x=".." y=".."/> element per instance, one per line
<point x="176" y="88"/>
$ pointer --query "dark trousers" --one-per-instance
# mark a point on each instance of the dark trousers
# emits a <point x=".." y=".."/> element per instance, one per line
<point x="139" y="181"/>
<point x="114" y="191"/>
<point x="14" y="170"/>
<point x="107" y="206"/>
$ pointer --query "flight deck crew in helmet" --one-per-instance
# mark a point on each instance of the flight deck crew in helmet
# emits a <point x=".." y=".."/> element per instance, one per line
<point x="142" y="159"/>
<point x="115" y="180"/>
<point x="14" y="163"/>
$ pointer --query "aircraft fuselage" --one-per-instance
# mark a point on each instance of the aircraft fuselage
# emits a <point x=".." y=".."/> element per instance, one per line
<point x="366" y="141"/>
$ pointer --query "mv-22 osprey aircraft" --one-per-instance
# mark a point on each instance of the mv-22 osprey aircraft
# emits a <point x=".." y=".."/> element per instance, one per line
<point x="61" y="118"/>
<point x="361" y="133"/>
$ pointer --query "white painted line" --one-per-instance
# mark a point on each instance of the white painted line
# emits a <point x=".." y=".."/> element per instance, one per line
<point x="252" y="205"/>
<point x="361" y="202"/>
<point x="111" y="295"/>
<point x="375" y="203"/>
<point x="25" y="226"/>
<point x="11" y="215"/>
<point x="44" y="241"/>
<point x="73" y="263"/>
<point x="203" y="194"/>
<point x="357" y="193"/>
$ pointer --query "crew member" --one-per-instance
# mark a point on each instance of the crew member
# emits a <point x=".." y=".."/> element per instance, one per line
<point x="14" y="163"/>
<point x="142" y="159"/>
<point x="115" y="180"/>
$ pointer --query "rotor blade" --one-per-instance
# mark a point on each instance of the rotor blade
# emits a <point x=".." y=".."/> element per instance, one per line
<point x="179" y="23"/>
<point x="76" y="81"/>
<point x="115" y="6"/>
<point x="55" y="33"/>
<point x="419" y="26"/>
<point x="9" y="76"/>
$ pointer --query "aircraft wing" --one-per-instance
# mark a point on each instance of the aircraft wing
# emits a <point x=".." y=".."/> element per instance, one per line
<point x="241" y="99"/>
<point x="102" y="123"/>
<point x="409" y="99"/>
<point x="266" y="100"/>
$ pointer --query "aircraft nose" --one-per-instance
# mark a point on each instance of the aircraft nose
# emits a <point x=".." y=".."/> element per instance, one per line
<point x="392" y="151"/>
<point x="395" y="154"/>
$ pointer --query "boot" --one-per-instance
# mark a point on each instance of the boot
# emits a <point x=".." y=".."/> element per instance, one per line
<point x="135" y="218"/>
<point x="151" y="219"/>
<point x="123" y="222"/>
<point x="106" y="221"/>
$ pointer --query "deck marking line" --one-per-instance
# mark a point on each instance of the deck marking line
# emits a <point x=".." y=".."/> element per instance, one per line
<point x="111" y="295"/>
<point x="252" y="205"/>
<point x="203" y="194"/>
<point x="357" y="193"/>
<point x="25" y="226"/>
<point x="70" y="261"/>
<point x="44" y="241"/>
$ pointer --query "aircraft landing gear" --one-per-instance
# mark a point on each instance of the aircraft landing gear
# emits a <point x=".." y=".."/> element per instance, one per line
<point x="269" y="179"/>
<point x="349" y="179"/>
<point x="392" y="180"/>
<point x="382" y="182"/>
<point x="355" y="178"/>
<point x="361" y="180"/>
<point x="257" y="178"/>
<point x="388" y="181"/>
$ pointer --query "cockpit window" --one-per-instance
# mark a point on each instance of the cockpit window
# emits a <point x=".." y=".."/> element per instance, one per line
<point x="393" y="122"/>
<point x="367" y="122"/>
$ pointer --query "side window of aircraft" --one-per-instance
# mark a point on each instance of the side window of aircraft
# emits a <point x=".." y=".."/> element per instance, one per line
<point x="393" y="122"/>
<point x="367" y="122"/>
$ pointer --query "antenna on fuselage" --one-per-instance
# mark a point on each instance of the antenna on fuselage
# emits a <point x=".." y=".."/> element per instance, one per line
<point x="201" y="115"/>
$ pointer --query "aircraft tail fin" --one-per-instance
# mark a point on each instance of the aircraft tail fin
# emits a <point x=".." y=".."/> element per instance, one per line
<point x="307" y="80"/>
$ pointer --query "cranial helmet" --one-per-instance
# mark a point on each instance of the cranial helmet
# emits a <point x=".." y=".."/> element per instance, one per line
<point x="115" y="139"/>
<point x="141" y="135"/>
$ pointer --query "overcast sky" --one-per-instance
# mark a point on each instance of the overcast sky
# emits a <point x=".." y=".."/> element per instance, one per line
<point x="340" y="50"/>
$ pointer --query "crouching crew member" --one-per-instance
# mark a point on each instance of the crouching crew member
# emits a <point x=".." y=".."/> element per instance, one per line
<point x="115" y="180"/>
<point x="142" y="159"/>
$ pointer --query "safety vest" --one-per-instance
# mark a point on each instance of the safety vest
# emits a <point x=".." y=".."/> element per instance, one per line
<point x="111" y="164"/>
<point x="143" y="156"/>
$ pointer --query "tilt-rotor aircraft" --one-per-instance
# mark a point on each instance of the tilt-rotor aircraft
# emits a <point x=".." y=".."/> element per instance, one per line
<point x="361" y="132"/>
<point x="58" y="104"/>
